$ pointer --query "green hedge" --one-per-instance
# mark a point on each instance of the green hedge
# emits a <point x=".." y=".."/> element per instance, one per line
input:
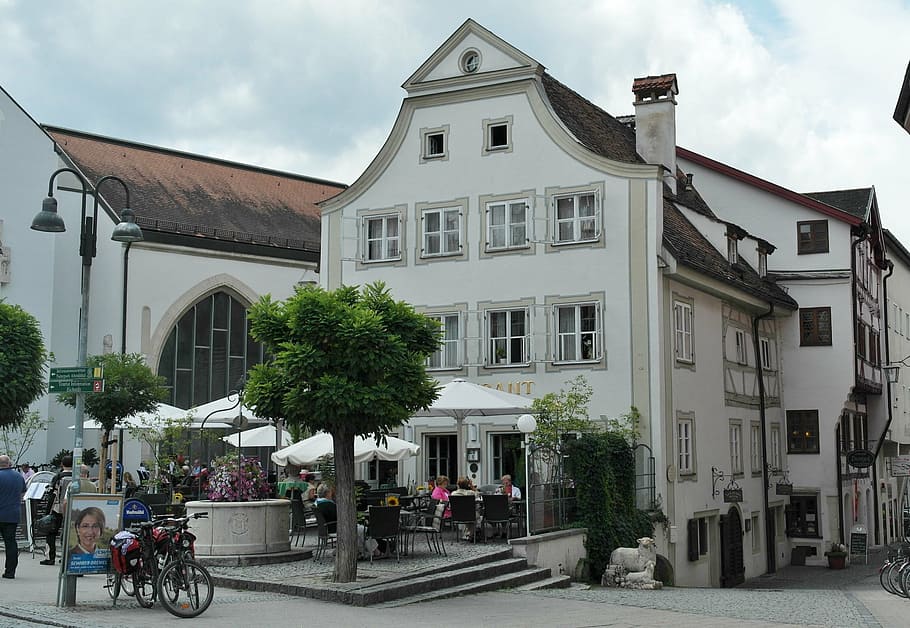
<point x="603" y="468"/>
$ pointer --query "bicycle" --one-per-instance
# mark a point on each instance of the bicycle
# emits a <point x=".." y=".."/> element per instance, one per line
<point x="184" y="586"/>
<point x="139" y="557"/>
<point x="893" y="573"/>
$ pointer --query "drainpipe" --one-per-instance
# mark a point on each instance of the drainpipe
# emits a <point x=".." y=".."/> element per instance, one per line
<point x="840" y="488"/>
<point x="770" y="545"/>
<point x="881" y="439"/>
<point x="880" y="534"/>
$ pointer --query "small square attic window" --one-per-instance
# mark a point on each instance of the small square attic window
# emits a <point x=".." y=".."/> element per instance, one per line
<point x="499" y="136"/>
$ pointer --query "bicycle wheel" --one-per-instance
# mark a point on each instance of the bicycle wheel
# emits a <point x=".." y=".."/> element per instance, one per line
<point x="144" y="585"/>
<point x="113" y="584"/>
<point x="883" y="577"/>
<point x="186" y="588"/>
<point x="896" y="575"/>
<point x="902" y="580"/>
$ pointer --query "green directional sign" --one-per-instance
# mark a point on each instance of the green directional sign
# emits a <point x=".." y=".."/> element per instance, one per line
<point x="76" y="379"/>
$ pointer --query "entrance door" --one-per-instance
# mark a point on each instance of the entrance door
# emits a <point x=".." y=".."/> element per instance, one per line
<point x="732" y="569"/>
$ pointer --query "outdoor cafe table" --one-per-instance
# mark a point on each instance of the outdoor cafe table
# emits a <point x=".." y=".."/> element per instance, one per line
<point x="286" y="485"/>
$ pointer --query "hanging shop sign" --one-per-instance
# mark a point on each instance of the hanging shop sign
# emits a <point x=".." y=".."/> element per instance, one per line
<point x="860" y="458"/>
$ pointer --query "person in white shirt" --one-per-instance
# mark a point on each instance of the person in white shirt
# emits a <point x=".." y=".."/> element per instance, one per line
<point x="508" y="488"/>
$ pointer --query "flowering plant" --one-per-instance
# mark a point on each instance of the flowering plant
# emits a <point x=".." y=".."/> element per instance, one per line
<point x="237" y="479"/>
<point x="837" y="549"/>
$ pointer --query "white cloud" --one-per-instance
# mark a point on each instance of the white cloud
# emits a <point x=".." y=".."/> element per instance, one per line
<point x="800" y="93"/>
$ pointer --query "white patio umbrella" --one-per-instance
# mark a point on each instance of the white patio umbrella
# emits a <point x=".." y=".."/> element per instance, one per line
<point x="224" y="410"/>
<point x="308" y="451"/>
<point x="155" y="419"/>
<point x="460" y="399"/>
<point x="262" y="436"/>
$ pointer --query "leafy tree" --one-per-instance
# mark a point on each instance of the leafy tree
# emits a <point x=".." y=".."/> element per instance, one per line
<point x="89" y="457"/>
<point x="350" y="362"/>
<point x="22" y="362"/>
<point x="165" y="439"/>
<point x="563" y="412"/>
<point x="130" y="387"/>
<point x="15" y="441"/>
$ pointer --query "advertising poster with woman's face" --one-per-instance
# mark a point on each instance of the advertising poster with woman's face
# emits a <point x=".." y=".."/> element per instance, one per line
<point x="94" y="519"/>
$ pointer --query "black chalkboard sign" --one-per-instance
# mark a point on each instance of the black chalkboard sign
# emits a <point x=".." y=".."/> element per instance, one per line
<point x="858" y="543"/>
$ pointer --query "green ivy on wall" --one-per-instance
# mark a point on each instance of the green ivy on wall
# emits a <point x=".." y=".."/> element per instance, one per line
<point x="603" y="467"/>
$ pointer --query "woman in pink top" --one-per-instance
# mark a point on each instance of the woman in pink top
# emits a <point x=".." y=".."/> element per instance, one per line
<point x="441" y="493"/>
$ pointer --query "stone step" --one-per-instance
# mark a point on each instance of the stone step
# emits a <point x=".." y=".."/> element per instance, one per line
<point x="290" y="556"/>
<point x="555" y="582"/>
<point x="518" y="579"/>
<point x="422" y="585"/>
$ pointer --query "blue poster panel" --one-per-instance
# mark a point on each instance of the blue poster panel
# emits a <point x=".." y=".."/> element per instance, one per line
<point x="93" y="521"/>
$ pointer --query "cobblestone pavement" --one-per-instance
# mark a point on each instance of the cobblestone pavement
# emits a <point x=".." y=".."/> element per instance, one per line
<point x="806" y="596"/>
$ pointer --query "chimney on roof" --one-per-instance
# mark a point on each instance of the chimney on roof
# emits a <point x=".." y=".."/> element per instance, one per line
<point x="655" y="122"/>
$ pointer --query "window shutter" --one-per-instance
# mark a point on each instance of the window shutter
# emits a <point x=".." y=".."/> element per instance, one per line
<point x="692" y="529"/>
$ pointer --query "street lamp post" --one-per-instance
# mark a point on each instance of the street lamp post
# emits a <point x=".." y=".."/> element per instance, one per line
<point x="127" y="230"/>
<point x="526" y="425"/>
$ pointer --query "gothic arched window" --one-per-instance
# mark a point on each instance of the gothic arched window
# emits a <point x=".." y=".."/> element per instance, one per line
<point x="208" y="351"/>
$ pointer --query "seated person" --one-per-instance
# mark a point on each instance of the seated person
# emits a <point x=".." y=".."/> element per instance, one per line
<point x="508" y="488"/>
<point x="466" y="487"/>
<point x="325" y="504"/>
<point x="441" y="492"/>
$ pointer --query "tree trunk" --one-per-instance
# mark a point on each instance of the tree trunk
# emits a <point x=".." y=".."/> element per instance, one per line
<point x="102" y="459"/>
<point x="348" y="541"/>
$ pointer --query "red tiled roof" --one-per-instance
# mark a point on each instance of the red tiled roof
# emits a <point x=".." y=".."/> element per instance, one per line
<point x="179" y="192"/>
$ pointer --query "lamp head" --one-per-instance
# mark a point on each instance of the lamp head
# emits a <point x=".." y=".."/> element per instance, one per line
<point x="892" y="372"/>
<point x="127" y="230"/>
<point x="527" y="423"/>
<point x="48" y="219"/>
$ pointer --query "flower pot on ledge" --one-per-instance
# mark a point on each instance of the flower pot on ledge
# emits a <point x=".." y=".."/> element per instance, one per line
<point x="836" y="560"/>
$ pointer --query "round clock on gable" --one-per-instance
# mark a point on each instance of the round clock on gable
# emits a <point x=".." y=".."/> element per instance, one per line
<point x="470" y="61"/>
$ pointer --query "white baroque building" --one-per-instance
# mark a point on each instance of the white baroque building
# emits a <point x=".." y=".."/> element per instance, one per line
<point x="551" y="240"/>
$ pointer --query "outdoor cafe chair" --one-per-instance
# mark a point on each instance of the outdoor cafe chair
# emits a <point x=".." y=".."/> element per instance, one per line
<point x="496" y="511"/>
<point x="464" y="511"/>
<point x="431" y="527"/>
<point x="298" y="521"/>
<point x="326" y="539"/>
<point x="385" y="525"/>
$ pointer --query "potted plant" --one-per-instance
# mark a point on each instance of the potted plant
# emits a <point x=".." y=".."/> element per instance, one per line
<point x="500" y="356"/>
<point x="837" y="556"/>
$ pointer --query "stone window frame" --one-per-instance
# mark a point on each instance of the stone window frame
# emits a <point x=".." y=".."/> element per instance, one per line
<point x="425" y="134"/>
<point x="488" y="125"/>
<point x="461" y="204"/>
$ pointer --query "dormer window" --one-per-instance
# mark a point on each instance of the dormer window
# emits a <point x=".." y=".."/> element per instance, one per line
<point x="732" y="250"/>
<point x="762" y="263"/>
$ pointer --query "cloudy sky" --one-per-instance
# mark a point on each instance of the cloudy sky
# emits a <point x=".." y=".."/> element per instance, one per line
<point x="797" y="92"/>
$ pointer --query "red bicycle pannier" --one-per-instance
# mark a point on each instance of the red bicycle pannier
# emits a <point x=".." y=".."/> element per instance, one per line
<point x="125" y="552"/>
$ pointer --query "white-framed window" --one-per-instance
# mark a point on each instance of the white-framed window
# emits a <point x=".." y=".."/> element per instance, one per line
<point x="764" y="345"/>
<point x="742" y="353"/>
<point x="685" y="445"/>
<point x="434" y="144"/>
<point x="448" y="356"/>
<point x="577" y="217"/>
<point x="508" y="337"/>
<point x="736" y="448"/>
<point x="382" y="238"/>
<point x="577" y="332"/>
<point x="682" y="322"/>
<point x="762" y="263"/>
<point x="497" y="135"/>
<point x="775" y="448"/>
<point x="441" y="231"/>
<point x="755" y="447"/>
<point x="507" y="224"/>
